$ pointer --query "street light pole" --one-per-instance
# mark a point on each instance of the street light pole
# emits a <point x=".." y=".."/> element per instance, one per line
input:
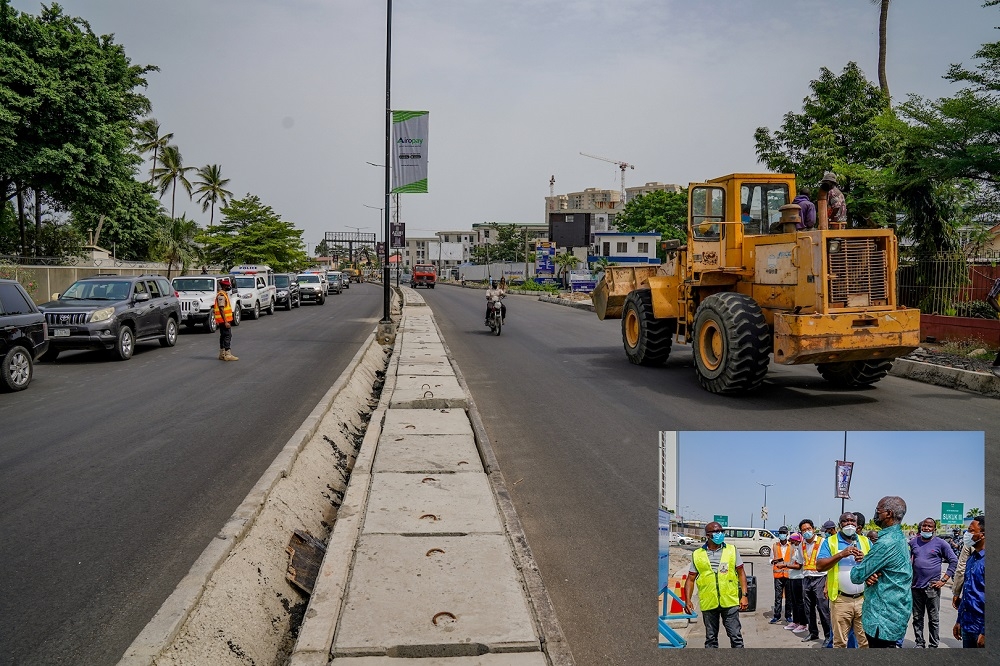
<point x="386" y="319"/>
<point x="766" y="486"/>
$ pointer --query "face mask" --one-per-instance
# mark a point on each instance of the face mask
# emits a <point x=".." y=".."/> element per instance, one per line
<point x="783" y="537"/>
<point x="967" y="539"/>
<point x="808" y="534"/>
<point x="849" y="530"/>
<point x="718" y="538"/>
<point x="926" y="535"/>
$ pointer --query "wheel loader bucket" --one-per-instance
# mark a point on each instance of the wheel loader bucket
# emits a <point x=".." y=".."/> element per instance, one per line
<point x="618" y="282"/>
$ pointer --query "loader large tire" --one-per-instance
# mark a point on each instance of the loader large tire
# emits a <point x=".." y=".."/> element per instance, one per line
<point x="647" y="339"/>
<point x="854" y="374"/>
<point x="731" y="343"/>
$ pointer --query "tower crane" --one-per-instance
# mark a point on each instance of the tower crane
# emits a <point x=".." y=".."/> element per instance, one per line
<point x="621" y="165"/>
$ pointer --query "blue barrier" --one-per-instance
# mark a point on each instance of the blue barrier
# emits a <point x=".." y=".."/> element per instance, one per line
<point x="669" y="637"/>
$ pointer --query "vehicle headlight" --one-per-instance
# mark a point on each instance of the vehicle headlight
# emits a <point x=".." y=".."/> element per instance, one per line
<point x="282" y="293"/>
<point x="103" y="314"/>
<point x="833" y="245"/>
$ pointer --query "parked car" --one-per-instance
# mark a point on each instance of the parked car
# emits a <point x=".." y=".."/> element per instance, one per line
<point x="337" y="281"/>
<point x="311" y="288"/>
<point x="112" y="312"/>
<point x="24" y="336"/>
<point x="288" y="290"/>
<point x="687" y="540"/>
<point x="197" y="295"/>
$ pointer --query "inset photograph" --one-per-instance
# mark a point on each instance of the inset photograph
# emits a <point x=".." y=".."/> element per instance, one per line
<point x="822" y="539"/>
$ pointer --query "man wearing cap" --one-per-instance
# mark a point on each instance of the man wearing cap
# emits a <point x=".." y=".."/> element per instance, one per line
<point x="836" y="205"/>
<point x="222" y="309"/>
<point x="829" y="528"/>
<point x="781" y="556"/>
<point x="837" y="556"/>
<point x="717" y="568"/>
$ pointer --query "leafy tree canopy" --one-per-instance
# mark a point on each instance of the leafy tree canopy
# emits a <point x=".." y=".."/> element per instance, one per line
<point x="506" y="244"/>
<point x="664" y="212"/>
<point x="250" y="232"/>
<point x="132" y="217"/>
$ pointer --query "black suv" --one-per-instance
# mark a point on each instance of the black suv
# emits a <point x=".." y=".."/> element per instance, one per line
<point x="112" y="312"/>
<point x="287" y="285"/>
<point x="23" y="335"/>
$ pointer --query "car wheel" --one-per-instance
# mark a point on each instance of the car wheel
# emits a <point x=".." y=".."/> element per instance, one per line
<point x="288" y="305"/>
<point x="50" y="354"/>
<point x="765" y="551"/>
<point x="270" y="308"/>
<point x="125" y="345"/>
<point x="211" y="326"/>
<point x="298" y="301"/>
<point x="169" y="338"/>
<point x="255" y="313"/>
<point x="321" y="300"/>
<point x="17" y="369"/>
<point x="237" y="315"/>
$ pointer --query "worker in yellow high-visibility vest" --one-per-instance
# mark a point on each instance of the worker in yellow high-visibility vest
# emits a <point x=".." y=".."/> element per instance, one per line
<point x="837" y="555"/>
<point x="717" y="569"/>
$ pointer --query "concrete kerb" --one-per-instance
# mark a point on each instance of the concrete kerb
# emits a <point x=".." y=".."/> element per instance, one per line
<point x="955" y="378"/>
<point x="549" y="631"/>
<point x="166" y="624"/>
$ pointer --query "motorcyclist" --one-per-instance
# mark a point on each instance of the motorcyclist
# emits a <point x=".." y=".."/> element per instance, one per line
<point x="496" y="292"/>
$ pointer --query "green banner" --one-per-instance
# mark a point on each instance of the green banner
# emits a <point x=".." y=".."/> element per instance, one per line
<point x="952" y="513"/>
<point x="409" y="155"/>
<point x="722" y="520"/>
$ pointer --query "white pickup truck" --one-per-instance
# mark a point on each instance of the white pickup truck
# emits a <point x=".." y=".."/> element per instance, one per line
<point x="197" y="293"/>
<point x="257" y="290"/>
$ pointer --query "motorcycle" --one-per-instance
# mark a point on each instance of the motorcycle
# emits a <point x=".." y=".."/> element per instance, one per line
<point x="495" y="317"/>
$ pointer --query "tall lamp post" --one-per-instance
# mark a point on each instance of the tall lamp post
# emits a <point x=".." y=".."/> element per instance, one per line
<point x="763" y="510"/>
<point x="386" y="322"/>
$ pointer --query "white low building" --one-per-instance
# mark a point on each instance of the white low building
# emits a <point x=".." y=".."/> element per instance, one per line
<point x="624" y="247"/>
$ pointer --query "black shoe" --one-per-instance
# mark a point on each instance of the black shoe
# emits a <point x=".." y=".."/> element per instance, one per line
<point x="810" y="638"/>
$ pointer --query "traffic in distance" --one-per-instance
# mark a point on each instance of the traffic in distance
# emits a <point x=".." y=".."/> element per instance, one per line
<point x="113" y="313"/>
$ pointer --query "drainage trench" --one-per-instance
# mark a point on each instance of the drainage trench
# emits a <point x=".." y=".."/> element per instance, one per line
<point x="249" y="612"/>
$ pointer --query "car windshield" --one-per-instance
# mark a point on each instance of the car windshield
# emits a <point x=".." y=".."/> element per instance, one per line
<point x="309" y="278"/>
<point x="194" y="284"/>
<point x="245" y="282"/>
<point x="281" y="280"/>
<point x="98" y="290"/>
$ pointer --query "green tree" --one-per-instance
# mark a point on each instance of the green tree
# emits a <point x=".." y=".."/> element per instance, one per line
<point x="212" y="188"/>
<point x="150" y="140"/>
<point x="664" y="212"/>
<point x="506" y="244"/>
<point x="323" y="249"/>
<point x="842" y="128"/>
<point x="172" y="171"/>
<point x="973" y="512"/>
<point x="250" y="232"/>
<point x="175" y="242"/>
<point x="565" y="262"/>
<point x="129" y="220"/>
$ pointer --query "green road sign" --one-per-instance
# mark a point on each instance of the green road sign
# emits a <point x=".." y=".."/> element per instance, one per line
<point x="724" y="520"/>
<point x="952" y="513"/>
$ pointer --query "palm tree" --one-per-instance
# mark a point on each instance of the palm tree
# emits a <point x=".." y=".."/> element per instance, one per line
<point x="211" y="187"/>
<point x="174" y="242"/>
<point x="566" y="262"/>
<point x="173" y="170"/>
<point x="883" y="19"/>
<point x="974" y="512"/>
<point x="150" y="139"/>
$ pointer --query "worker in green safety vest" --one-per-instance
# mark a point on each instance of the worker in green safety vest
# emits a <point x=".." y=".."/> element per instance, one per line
<point x="717" y="569"/>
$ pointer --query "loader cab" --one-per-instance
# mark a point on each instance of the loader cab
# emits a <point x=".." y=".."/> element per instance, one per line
<point x="763" y="201"/>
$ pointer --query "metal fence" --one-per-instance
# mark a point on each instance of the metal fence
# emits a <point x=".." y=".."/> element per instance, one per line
<point x="952" y="284"/>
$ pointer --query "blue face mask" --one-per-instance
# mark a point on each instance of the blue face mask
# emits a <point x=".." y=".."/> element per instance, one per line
<point x="718" y="538"/>
<point x="783" y="537"/>
<point x="808" y="534"/>
<point x="926" y="535"/>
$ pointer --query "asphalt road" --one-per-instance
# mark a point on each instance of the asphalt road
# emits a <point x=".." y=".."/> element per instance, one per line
<point x="114" y="476"/>
<point x="575" y="430"/>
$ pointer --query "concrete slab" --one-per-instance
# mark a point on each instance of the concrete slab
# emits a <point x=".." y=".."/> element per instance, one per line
<point x="428" y="453"/>
<point x="423" y="354"/>
<point x="434" y="597"/>
<point x="426" y="422"/>
<point x="426" y="369"/>
<point x="440" y="503"/>
<point x="413" y="392"/>
<point x="508" y="659"/>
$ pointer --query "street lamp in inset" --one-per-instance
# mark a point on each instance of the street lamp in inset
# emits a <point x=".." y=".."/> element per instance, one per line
<point x="763" y="509"/>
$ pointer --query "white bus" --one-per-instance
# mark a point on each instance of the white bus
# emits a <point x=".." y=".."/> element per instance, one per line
<point x="750" y="540"/>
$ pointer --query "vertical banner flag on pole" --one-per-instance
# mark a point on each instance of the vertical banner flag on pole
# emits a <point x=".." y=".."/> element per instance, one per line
<point x="409" y="159"/>
<point x="843" y="479"/>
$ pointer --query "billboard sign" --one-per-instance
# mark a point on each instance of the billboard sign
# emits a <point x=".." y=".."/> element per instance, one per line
<point x="545" y="253"/>
<point x="409" y="155"/>
<point x="842" y="480"/>
<point x="397" y="235"/>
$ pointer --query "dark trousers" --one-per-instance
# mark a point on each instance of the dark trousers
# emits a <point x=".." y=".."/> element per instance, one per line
<point x="813" y="590"/>
<point x="970" y="640"/>
<point x="875" y="642"/>
<point x="798" y="601"/>
<point x="225" y="336"/>
<point x="730" y="621"/>
<point x="929" y="599"/>
<point x="782" y="586"/>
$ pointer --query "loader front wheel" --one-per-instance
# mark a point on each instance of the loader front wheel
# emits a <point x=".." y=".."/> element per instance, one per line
<point x="854" y="374"/>
<point x="731" y="343"/>
<point x="647" y="339"/>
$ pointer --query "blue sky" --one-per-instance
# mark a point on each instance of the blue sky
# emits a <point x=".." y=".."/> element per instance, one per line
<point x="289" y="97"/>
<point x="720" y="472"/>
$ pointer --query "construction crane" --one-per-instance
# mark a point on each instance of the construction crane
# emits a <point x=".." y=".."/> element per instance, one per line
<point x="621" y="165"/>
<point x="552" y="186"/>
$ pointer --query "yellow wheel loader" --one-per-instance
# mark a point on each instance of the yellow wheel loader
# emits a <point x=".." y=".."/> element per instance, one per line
<point x="747" y="285"/>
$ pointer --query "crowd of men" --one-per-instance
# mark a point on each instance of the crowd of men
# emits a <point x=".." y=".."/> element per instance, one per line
<point x="862" y="590"/>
